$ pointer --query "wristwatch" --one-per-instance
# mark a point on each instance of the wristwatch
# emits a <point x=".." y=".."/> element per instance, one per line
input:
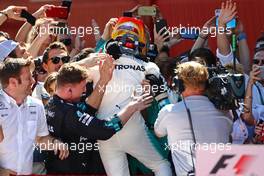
<point x="241" y="36"/>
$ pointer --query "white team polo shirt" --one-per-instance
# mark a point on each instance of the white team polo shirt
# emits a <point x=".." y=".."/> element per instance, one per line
<point x="127" y="77"/>
<point x="21" y="125"/>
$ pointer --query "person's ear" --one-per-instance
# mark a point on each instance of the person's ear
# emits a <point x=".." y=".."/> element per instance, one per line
<point x="13" y="82"/>
<point x="68" y="91"/>
<point x="45" y="66"/>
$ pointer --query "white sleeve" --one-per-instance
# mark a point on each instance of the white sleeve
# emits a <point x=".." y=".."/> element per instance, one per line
<point x="152" y="68"/>
<point x="42" y="128"/>
<point x="160" y="123"/>
<point x="94" y="74"/>
<point x="224" y="60"/>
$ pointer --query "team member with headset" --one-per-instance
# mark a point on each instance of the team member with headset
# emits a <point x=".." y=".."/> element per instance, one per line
<point x="193" y="120"/>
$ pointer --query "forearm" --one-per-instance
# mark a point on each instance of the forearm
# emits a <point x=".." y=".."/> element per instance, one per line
<point x="35" y="46"/>
<point x="96" y="97"/>
<point x="162" y="55"/>
<point x="88" y="62"/>
<point x="49" y="143"/>
<point x="45" y="140"/>
<point x="22" y="33"/>
<point x="74" y="52"/>
<point x="3" y="18"/>
<point x="126" y="113"/>
<point x="199" y="43"/>
<point x="173" y="42"/>
<point x="247" y="115"/>
<point x="106" y="36"/>
<point x="222" y="42"/>
<point x="244" y="55"/>
<point x="163" y="51"/>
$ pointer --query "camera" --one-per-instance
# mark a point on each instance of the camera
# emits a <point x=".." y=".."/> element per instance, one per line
<point x="38" y="66"/>
<point x="225" y="89"/>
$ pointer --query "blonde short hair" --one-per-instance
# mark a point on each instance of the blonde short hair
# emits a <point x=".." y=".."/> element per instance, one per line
<point x="193" y="74"/>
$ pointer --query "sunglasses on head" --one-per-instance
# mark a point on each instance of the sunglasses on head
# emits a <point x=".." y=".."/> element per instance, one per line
<point x="64" y="59"/>
<point x="257" y="61"/>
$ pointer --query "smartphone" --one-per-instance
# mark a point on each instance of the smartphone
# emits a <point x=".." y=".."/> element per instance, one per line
<point x="192" y="34"/>
<point x="161" y="23"/>
<point x="30" y="18"/>
<point x="127" y="14"/>
<point x="57" y="12"/>
<point x="66" y="3"/>
<point x="261" y="75"/>
<point x="259" y="138"/>
<point x="60" y="28"/>
<point x="231" y="24"/>
<point x="147" y="11"/>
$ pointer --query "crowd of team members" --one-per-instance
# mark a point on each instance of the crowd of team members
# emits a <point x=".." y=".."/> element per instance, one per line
<point x="127" y="132"/>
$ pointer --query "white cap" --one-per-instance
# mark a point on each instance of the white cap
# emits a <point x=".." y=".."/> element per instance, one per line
<point x="6" y="47"/>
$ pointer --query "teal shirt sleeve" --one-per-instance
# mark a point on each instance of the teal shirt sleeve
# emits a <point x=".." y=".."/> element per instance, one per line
<point x="100" y="45"/>
<point x="114" y="123"/>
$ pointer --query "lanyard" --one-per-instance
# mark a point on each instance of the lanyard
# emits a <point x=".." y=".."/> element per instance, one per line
<point x="261" y="97"/>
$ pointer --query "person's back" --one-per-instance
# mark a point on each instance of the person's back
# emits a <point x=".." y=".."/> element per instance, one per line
<point x="210" y="125"/>
<point x="61" y="124"/>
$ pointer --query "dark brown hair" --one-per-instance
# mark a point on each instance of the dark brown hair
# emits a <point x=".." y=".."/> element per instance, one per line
<point x="54" y="45"/>
<point x="11" y="68"/>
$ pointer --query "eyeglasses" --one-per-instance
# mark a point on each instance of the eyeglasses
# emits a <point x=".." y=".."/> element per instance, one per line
<point x="257" y="61"/>
<point x="64" y="59"/>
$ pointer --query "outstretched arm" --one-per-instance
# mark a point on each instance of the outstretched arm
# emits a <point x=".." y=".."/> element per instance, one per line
<point x="228" y="12"/>
<point x="243" y="48"/>
<point x="12" y="12"/>
<point x="248" y="115"/>
<point x="22" y="33"/>
<point x="106" y="69"/>
<point x="203" y="37"/>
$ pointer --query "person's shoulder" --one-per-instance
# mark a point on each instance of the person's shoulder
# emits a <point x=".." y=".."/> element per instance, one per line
<point x="171" y="108"/>
<point x="32" y="101"/>
<point x="1" y="94"/>
<point x="168" y="112"/>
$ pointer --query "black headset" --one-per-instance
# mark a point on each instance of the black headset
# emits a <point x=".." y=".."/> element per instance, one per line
<point x="178" y="84"/>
